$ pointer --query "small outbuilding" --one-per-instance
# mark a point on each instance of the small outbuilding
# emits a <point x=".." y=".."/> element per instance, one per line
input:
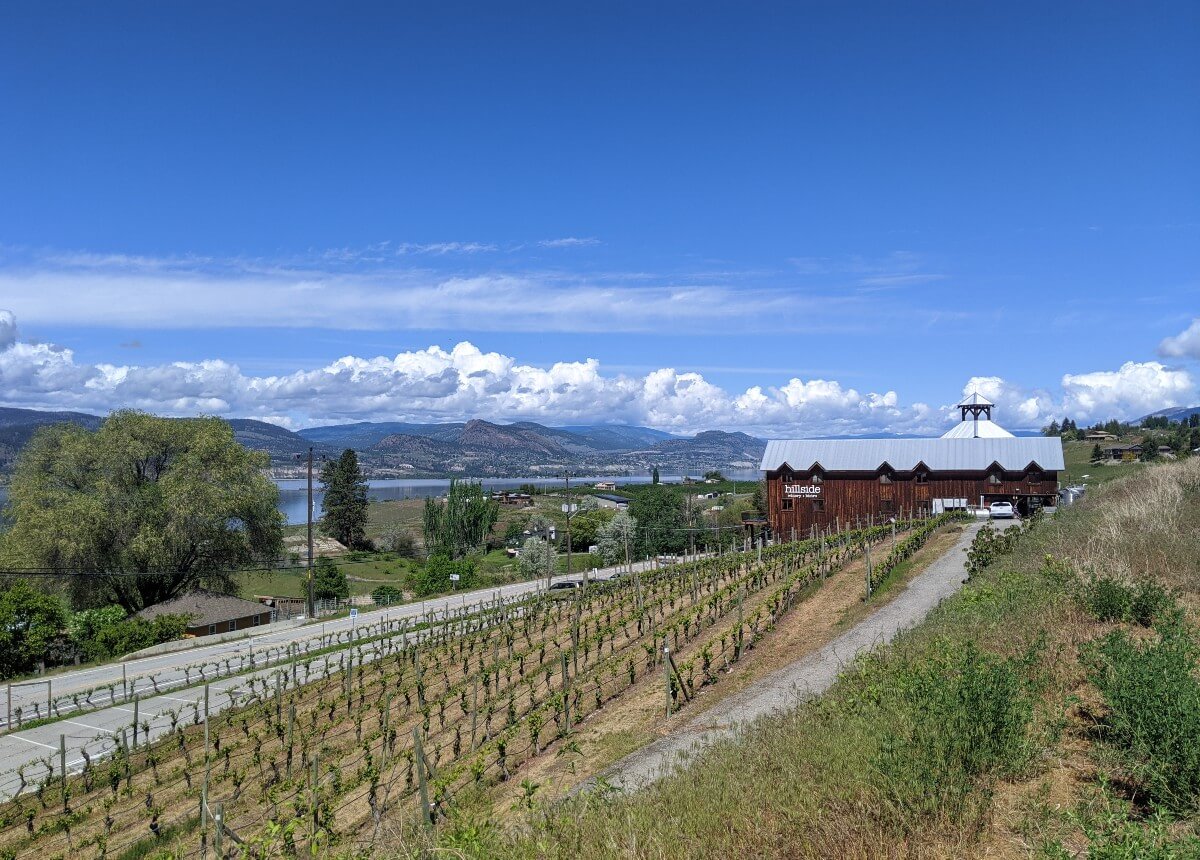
<point x="209" y="612"/>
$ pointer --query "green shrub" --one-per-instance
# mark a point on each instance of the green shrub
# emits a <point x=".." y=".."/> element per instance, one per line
<point x="1151" y="603"/>
<point x="956" y="716"/>
<point x="434" y="576"/>
<point x="1107" y="598"/>
<point x="387" y="595"/>
<point x="1153" y="699"/>
<point x="105" y="632"/>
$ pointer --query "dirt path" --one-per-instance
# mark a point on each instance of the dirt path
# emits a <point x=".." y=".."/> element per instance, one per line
<point x="802" y="679"/>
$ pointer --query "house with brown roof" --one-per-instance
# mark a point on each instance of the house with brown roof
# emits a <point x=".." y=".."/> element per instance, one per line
<point x="209" y="612"/>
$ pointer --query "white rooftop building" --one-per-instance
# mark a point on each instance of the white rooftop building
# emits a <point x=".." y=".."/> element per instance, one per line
<point x="976" y="421"/>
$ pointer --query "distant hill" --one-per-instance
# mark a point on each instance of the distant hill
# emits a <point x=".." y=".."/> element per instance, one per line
<point x="17" y="427"/>
<point x="1176" y="413"/>
<point x="364" y="434"/>
<point x="278" y="442"/>
<point x="476" y="447"/>
<point x="612" y="437"/>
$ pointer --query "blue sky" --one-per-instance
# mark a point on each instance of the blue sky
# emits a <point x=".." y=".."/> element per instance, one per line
<point x="802" y="219"/>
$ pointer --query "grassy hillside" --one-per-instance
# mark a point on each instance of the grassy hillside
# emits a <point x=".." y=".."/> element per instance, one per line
<point x="1051" y="710"/>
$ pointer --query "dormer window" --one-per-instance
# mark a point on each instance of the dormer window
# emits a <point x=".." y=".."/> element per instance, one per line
<point x="922" y="477"/>
<point x="885" y="478"/>
<point x="1036" y="477"/>
<point x="817" y="479"/>
<point x="994" y="478"/>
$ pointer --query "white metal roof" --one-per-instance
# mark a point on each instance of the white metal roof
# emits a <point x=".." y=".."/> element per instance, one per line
<point x="975" y="399"/>
<point x="981" y="429"/>
<point x="939" y="455"/>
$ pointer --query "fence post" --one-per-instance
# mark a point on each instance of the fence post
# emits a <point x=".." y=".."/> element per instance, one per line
<point x="135" y="721"/>
<point x="316" y="777"/>
<point x="474" y="711"/>
<point x="218" y="834"/>
<point x="422" y="783"/>
<point x="666" y="651"/>
<point x="291" y="734"/>
<point x="204" y="819"/>
<point x="867" y="545"/>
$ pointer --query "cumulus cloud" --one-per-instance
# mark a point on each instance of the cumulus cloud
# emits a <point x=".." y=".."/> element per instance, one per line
<point x="439" y="384"/>
<point x="446" y="384"/>
<point x="1129" y="392"/>
<point x="1186" y="344"/>
<point x="8" y="329"/>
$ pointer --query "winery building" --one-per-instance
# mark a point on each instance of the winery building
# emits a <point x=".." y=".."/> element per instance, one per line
<point x="830" y="483"/>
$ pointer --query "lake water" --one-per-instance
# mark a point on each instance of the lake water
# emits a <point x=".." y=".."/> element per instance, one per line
<point x="293" y="492"/>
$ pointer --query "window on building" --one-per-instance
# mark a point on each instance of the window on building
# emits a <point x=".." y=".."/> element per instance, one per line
<point x="233" y="625"/>
<point x="1035" y="477"/>
<point x="922" y="477"/>
<point x="817" y="479"/>
<point x="994" y="478"/>
<point x="787" y="504"/>
<point x="885" y="478"/>
<point x="257" y="620"/>
<point x="212" y="628"/>
<point x="818" y="504"/>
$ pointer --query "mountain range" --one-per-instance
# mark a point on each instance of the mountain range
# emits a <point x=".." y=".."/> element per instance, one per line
<point x="476" y="448"/>
<point x="1176" y="413"/>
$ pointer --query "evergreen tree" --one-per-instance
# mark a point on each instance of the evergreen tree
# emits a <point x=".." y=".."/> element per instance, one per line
<point x="1097" y="454"/>
<point x="344" y="507"/>
<point x="329" y="581"/>
<point x="654" y="475"/>
<point x="1051" y="429"/>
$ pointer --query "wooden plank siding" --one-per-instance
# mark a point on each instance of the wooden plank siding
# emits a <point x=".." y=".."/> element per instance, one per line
<point x="848" y="497"/>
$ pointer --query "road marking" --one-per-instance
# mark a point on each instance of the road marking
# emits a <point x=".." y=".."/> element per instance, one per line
<point x="174" y="699"/>
<point x="35" y="743"/>
<point x="86" y="726"/>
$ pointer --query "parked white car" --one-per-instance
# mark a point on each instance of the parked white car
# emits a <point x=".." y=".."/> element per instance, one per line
<point x="1001" y="511"/>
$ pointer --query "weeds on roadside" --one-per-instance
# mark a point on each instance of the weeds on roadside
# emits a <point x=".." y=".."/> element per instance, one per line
<point x="956" y="716"/>
<point x="1153" y="719"/>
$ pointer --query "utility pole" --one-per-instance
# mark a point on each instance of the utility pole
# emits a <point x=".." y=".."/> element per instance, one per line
<point x="567" y="478"/>
<point x="312" y="603"/>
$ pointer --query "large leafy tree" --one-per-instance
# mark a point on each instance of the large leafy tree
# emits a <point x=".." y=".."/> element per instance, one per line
<point x="30" y="621"/>
<point x="144" y="508"/>
<point x="460" y="522"/>
<point x="344" y="506"/>
<point x="660" y="518"/>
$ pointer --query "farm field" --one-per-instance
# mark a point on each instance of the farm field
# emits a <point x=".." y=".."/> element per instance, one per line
<point x="328" y="763"/>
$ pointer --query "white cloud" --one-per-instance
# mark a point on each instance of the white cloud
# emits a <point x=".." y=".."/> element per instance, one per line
<point x="8" y="329"/>
<point x="568" y="242"/>
<point x="1132" y="390"/>
<point x="139" y="292"/>
<point x="1129" y="392"/>
<point x="437" y="384"/>
<point x="1186" y="344"/>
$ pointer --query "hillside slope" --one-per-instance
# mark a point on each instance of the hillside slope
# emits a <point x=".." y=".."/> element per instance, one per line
<point x="1048" y="710"/>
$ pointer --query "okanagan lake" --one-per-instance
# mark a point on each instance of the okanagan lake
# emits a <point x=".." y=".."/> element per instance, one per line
<point x="292" y="491"/>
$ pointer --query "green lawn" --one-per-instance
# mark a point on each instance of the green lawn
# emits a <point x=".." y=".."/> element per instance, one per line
<point x="1078" y="460"/>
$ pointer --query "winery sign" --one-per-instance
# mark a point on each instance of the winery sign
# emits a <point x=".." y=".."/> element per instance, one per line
<point x="804" y="491"/>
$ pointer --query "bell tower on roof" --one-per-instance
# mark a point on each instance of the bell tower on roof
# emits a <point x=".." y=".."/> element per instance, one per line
<point x="977" y="406"/>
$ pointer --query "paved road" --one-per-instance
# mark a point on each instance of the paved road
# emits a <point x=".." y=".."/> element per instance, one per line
<point x="179" y="668"/>
<point x="176" y="691"/>
<point x="804" y="679"/>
